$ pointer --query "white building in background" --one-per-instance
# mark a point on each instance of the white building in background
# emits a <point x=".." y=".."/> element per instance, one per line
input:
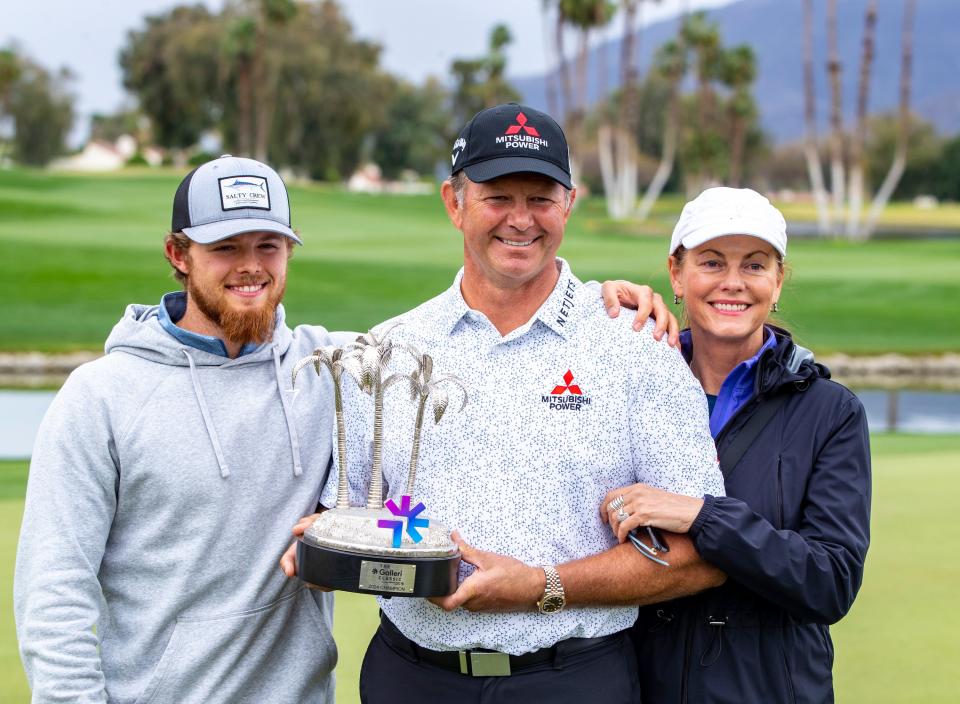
<point x="100" y="155"/>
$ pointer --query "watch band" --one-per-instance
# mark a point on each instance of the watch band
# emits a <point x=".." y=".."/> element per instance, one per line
<point x="554" y="598"/>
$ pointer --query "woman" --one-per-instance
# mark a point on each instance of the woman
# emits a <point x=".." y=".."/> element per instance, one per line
<point x="793" y="530"/>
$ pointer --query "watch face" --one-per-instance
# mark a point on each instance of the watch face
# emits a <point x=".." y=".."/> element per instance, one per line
<point x="552" y="604"/>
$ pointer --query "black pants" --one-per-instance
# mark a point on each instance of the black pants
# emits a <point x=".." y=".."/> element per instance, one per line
<point x="607" y="673"/>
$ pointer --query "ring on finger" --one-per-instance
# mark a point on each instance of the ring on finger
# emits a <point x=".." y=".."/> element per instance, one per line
<point x="622" y="515"/>
<point x="616" y="504"/>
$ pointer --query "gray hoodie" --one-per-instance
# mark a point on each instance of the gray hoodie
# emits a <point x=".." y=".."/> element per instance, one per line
<point x="163" y="487"/>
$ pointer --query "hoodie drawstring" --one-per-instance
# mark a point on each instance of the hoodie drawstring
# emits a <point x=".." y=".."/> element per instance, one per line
<point x="291" y="428"/>
<point x="211" y="431"/>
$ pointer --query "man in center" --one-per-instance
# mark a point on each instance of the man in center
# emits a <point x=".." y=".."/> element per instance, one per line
<point x="564" y="404"/>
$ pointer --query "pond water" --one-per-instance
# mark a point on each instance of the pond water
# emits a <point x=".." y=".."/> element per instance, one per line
<point x="901" y="411"/>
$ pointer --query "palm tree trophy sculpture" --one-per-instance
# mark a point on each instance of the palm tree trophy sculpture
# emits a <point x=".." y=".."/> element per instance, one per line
<point x="366" y="548"/>
<point x="423" y="386"/>
<point x="334" y="360"/>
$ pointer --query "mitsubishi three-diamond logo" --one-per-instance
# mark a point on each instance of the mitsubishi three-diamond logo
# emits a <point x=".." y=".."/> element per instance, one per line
<point x="568" y="385"/>
<point x="520" y="134"/>
<point x="567" y="396"/>
<point x="522" y="125"/>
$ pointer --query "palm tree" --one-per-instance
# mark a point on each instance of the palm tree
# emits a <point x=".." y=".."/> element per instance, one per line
<point x="585" y="16"/>
<point x="738" y="69"/>
<point x="336" y="361"/>
<point x="616" y="144"/>
<point x="424" y="386"/>
<point x="702" y="37"/>
<point x="859" y="136"/>
<point x="811" y="147"/>
<point x="671" y="62"/>
<point x="837" y="177"/>
<point x="903" y="133"/>
<point x="272" y="18"/>
<point x="549" y="49"/>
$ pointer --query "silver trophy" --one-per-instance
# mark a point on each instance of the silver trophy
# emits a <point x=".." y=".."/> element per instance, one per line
<point x="379" y="548"/>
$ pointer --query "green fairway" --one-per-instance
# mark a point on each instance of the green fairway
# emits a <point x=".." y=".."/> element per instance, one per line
<point x="898" y="644"/>
<point x="82" y="247"/>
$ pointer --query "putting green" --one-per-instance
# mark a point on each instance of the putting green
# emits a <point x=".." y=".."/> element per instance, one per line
<point x="898" y="644"/>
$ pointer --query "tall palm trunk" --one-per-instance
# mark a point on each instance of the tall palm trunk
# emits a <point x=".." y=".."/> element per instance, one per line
<point x="617" y="145"/>
<point x="671" y="133"/>
<point x="903" y="133"/>
<point x="811" y="148"/>
<point x="265" y="79"/>
<point x="553" y="68"/>
<point x="563" y="67"/>
<point x="244" y="107"/>
<point x="671" y="129"/>
<point x="738" y="140"/>
<point x="837" y="175"/>
<point x="630" y="107"/>
<point x="860" y="133"/>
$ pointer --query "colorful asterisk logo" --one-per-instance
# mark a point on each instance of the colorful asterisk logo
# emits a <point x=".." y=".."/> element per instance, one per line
<point x="404" y="511"/>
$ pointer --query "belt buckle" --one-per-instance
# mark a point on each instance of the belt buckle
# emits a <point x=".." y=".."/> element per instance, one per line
<point x="485" y="664"/>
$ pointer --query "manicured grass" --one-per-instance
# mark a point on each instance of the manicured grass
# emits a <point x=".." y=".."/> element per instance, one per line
<point x="898" y="644"/>
<point x="79" y="248"/>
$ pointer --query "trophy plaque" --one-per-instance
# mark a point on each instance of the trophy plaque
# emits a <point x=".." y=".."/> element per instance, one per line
<point x="380" y="548"/>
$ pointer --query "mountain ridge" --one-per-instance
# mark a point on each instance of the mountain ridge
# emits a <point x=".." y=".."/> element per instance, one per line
<point x="774" y="29"/>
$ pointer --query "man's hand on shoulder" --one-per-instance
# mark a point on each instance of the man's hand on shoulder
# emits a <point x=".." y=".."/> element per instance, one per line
<point x="499" y="583"/>
<point x="647" y="303"/>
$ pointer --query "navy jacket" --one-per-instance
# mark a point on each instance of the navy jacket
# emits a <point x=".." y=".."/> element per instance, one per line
<point x="791" y="535"/>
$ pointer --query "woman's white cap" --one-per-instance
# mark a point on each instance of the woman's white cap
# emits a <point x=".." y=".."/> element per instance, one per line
<point x="721" y="211"/>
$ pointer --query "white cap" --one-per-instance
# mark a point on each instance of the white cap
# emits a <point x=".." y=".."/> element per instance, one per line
<point x="721" y="211"/>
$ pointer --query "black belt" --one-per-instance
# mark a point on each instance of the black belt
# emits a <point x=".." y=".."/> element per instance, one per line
<point x="488" y="663"/>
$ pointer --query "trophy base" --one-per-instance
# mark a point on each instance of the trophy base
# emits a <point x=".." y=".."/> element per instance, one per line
<point x="383" y="575"/>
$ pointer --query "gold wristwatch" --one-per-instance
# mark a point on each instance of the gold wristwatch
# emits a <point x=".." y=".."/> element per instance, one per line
<point x="553" y="599"/>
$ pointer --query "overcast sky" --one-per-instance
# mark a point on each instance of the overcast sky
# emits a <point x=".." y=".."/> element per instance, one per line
<point x="420" y="37"/>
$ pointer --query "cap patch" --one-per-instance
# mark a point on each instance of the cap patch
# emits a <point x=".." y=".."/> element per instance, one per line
<point x="530" y="139"/>
<point x="244" y="192"/>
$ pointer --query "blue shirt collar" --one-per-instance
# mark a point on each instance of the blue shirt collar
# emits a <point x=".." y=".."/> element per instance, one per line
<point x="737" y="388"/>
<point x="172" y="308"/>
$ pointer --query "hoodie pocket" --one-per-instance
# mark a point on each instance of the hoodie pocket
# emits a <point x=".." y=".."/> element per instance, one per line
<point x="279" y="652"/>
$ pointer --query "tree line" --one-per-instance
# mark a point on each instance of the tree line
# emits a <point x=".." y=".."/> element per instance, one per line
<point x="288" y="81"/>
<point x="36" y="109"/>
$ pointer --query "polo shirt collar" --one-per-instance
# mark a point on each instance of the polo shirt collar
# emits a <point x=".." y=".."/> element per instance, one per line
<point x="556" y="313"/>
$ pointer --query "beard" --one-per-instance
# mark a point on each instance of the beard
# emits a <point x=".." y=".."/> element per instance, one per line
<point x="239" y="326"/>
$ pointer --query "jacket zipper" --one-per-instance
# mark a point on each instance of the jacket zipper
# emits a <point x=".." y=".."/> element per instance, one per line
<point x="687" y="648"/>
<point x="780" y="492"/>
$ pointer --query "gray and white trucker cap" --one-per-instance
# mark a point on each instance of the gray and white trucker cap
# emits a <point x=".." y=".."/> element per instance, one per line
<point x="229" y="196"/>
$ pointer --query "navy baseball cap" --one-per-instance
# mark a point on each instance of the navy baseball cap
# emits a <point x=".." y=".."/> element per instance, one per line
<point x="510" y="139"/>
<point x="230" y="196"/>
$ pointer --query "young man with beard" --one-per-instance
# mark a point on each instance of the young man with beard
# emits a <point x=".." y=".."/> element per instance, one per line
<point x="167" y="473"/>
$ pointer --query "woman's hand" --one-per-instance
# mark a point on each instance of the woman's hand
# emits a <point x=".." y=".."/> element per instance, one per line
<point x="649" y="506"/>
<point x="647" y="303"/>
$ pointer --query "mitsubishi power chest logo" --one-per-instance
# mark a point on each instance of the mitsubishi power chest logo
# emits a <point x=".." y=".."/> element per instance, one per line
<point x="522" y="135"/>
<point x="567" y="396"/>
